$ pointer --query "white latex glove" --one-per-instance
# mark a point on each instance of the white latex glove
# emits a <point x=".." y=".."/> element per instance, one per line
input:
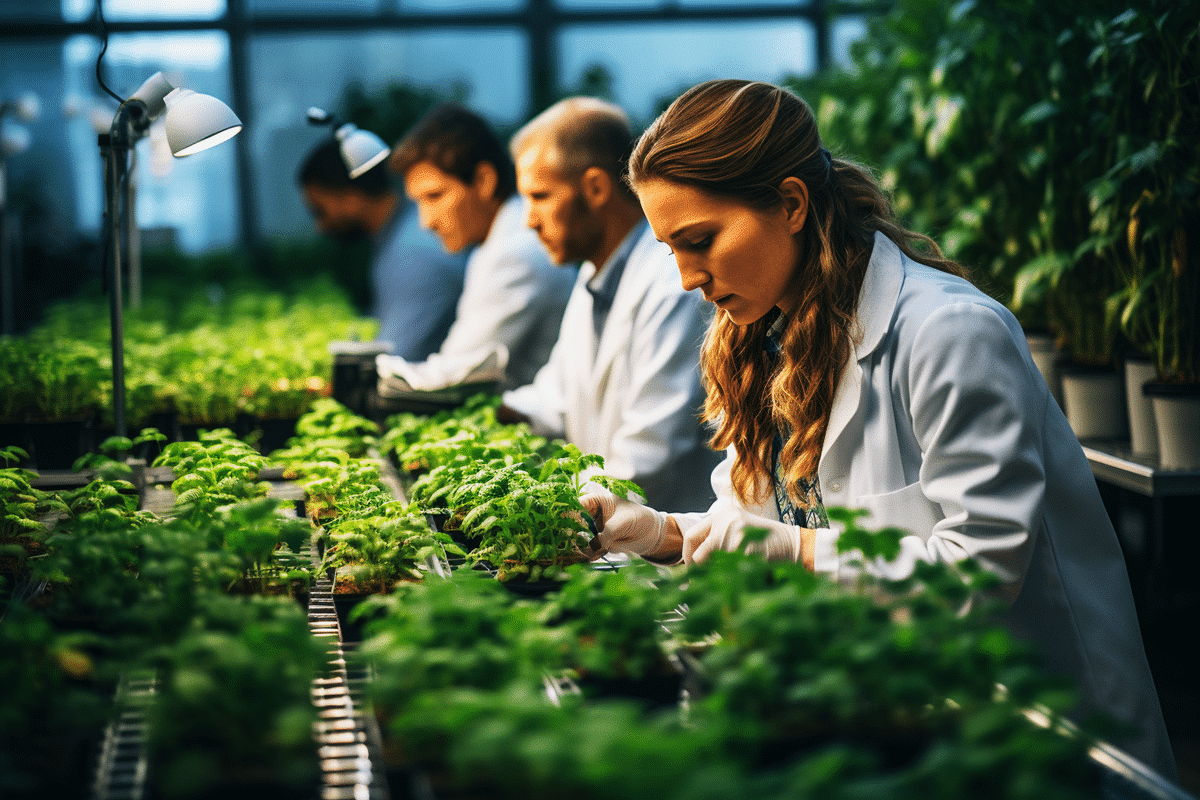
<point x="724" y="530"/>
<point x="624" y="526"/>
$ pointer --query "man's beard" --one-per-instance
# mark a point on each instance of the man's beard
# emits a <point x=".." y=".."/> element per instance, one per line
<point x="584" y="233"/>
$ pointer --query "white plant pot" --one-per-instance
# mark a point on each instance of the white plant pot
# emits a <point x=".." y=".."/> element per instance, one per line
<point x="1143" y="435"/>
<point x="1047" y="357"/>
<point x="1095" y="404"/>
<point x="1177" y="417"/>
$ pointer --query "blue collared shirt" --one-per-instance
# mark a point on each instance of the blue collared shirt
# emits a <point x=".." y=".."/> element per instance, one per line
<point x="603" y="285"/>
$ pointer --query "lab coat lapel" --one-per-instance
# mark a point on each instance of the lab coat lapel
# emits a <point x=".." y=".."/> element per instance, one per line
<point x="615" y="337"/>
<point x="876" y="306"/>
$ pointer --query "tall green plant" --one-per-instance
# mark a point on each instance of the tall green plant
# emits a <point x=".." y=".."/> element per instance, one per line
<point x="980" y="120"/>
<point x="1147" y="204"/>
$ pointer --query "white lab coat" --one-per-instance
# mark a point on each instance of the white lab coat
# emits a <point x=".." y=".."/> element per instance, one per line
<point x="512" y="295"/>
<point x="943" y="426"/>
<point x="633" y="393"/>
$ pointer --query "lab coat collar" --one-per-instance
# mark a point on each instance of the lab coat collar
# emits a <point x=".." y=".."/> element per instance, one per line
<point x="876" y="306"/>
<point x="604" y="281"/>
<point x="878" y="295"/>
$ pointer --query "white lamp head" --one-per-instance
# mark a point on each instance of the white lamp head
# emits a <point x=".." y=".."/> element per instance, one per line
<point x="194" y="121"/>
<point x="197" y="122"/>
<point x="361" y="149"/>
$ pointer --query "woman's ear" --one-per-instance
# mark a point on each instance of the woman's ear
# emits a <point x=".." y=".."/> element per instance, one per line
<point x="486" y="180"/>
<point x="795" y="202"/>
<point x="597" y="187"/>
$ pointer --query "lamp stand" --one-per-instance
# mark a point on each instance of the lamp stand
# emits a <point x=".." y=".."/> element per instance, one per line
<point x="129" y="125"/>
<point x="8" y="315"/>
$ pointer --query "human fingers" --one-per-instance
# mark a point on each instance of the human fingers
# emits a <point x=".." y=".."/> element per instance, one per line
<point x="600" y="506"/>
<point x="694" y="537"/>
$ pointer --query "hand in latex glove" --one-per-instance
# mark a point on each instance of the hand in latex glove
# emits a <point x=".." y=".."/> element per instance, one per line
<point x="626" y="527"/>
<point x="724" y="531"/>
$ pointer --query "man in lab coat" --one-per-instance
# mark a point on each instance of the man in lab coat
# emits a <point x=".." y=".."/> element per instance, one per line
<point x="461" y="178"/>
<point x="623" y="379"/>
<point x="415" y="283"/>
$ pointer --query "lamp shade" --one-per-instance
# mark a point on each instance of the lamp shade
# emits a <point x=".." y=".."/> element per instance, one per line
<point x="196" y="122"/>
<point x="361" y="149"/>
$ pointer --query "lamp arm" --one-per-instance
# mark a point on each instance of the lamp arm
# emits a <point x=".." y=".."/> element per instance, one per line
<point x="153" y="95"/>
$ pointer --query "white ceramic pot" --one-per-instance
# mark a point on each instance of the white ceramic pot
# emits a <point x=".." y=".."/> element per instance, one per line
<point x="1047" y="357"/>
<point x="1095" y="403"/>
<point x="1143" y="435"/>
<point x="1177" y="417"/>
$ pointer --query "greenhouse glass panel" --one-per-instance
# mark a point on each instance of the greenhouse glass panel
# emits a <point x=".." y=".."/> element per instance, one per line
<point x="651" y="64"/>
<point x="126" y="10"/>
<point x="845" y="32"/>
<point x="480" y="6"/>
<point x="607" y="5"/>
<point x="313" y="6"/>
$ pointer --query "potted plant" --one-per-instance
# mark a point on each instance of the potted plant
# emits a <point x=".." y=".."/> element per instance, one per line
<point x="213" y="472"/>
<point x="232" y="713"/>
<point x="23" y="531"/>
<point x="373" y="545"/>
<point x="53" y="392"/>
<point x="888" y="684"/>
<point x="1148" y="208"/>
<point x="528" y="518"/>
<point x="617" y="642"/>
<point x="435" y="645"/>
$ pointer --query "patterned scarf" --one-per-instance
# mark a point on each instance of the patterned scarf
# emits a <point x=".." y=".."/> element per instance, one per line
<point x="811" y="512"/>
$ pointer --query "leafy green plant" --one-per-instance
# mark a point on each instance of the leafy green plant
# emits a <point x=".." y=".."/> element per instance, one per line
<point x="50" y="380"/>
<point x="110" y="463"/>
<point x="615" y="618"/>
<point x="327" y="484"/>
<point x="216" y="471"/>
<point x="432" y="641"/>
<point x="512" y="744"/>
<point x="233" y="702"/>
<point x="272" y="551"/>
<point x="420" y="443"/>
<point x="1147" y="202"/>
<point x="996" y="131"/>
<point x="896" y="681"/>
<point x="24" y="513"/>
<point x="22" y="503"/>
<point x="528" y="517"/>
<point x="377" y="541"/>
<point x="53" y="702"/>
<point x="138" y="577"/>
<point x="331" y="423"/>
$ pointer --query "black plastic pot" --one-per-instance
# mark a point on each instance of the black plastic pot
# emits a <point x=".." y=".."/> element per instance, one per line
<point x="658" y="690"/>
<point x="56" y="444"/>
<point x="275" y="432"/>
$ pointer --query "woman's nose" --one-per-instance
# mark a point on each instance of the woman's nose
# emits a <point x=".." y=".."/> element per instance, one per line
<point x="692" y="278"/>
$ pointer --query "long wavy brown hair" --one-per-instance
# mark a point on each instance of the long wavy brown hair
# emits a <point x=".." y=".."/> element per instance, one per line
<point x="739" y="140"/>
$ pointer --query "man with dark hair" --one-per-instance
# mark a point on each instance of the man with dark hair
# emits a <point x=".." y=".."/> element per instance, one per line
<point x="415" y="284"/>
<point x="462" y="180"/>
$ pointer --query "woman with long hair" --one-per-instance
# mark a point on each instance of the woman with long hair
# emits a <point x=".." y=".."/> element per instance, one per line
<point x="850" y="363"/>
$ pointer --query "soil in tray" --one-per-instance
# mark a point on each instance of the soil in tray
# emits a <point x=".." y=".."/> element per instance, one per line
<point x="348" y="593"/>
<point x="297" y="590"/>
